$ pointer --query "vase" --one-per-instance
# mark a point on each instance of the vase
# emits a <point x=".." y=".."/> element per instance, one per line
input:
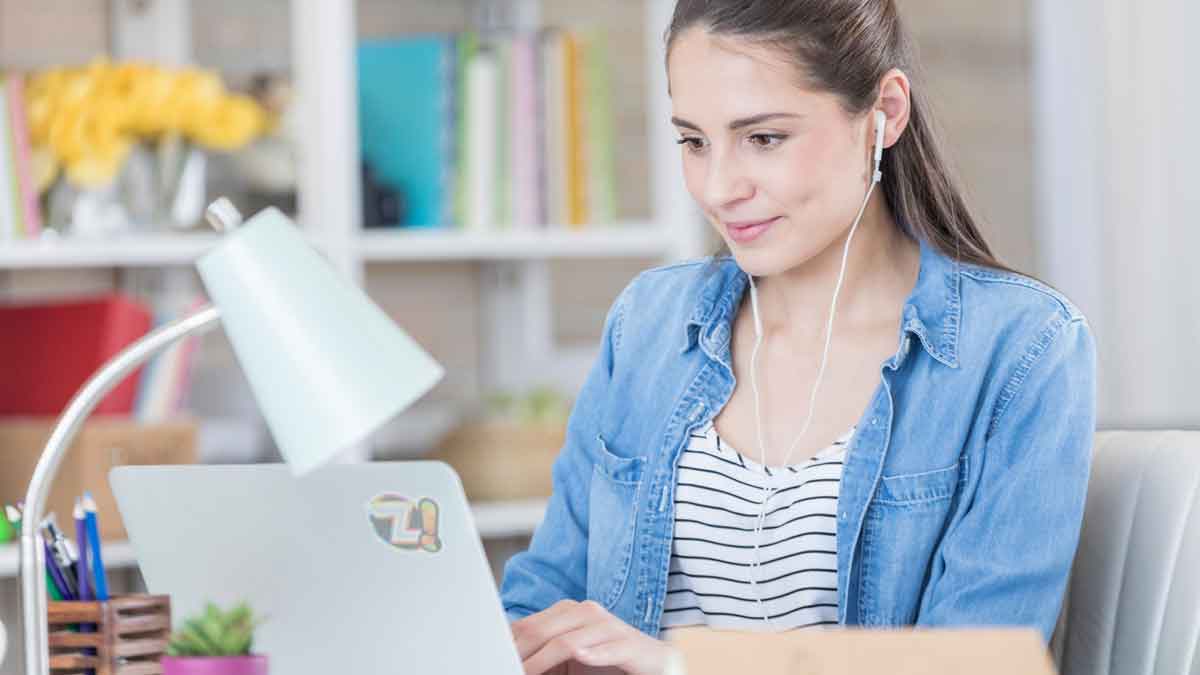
<point x="255" y="664"/>
<point x="161" y="187"/>
<point x="163" y="184"/>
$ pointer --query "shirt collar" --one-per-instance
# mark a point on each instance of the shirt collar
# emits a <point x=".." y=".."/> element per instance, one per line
<point x="932" y="311"/>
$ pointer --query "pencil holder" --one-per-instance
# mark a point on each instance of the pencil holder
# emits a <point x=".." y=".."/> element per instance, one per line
<point x="130" y="637"/>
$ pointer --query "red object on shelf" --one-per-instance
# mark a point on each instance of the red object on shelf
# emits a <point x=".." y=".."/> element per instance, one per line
<point x="48" y="350"/>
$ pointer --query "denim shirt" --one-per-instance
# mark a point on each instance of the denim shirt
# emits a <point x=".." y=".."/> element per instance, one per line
<point x="962" y="491"/>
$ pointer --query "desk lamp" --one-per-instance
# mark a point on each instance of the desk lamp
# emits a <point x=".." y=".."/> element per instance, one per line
<point x="325" y="364"/>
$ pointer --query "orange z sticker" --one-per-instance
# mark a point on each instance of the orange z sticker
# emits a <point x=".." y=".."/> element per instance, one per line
<point x="407" y="524"/>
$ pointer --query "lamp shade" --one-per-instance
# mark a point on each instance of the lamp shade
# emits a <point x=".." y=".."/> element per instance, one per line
<point x="326" y="365"/>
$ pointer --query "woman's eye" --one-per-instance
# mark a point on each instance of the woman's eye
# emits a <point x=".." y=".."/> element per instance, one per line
<point x="766" y="141"/>
<point x="693" y="144"/>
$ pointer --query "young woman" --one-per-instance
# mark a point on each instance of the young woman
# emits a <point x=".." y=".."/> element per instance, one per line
<point x="857" y="416"/>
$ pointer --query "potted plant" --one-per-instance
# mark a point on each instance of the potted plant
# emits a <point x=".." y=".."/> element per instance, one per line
<point x="216" y="642"/>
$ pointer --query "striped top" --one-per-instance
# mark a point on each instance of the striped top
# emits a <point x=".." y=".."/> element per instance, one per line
<point x="717" y="502"/>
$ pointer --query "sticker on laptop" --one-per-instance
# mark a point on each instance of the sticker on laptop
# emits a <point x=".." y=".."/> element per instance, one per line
<point x="404" y="523"/>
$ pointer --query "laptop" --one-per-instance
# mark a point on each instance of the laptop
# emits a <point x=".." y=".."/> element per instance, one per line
<point x="358" y="568"/>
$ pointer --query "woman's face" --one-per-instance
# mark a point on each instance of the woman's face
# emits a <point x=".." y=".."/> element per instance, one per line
<point x="779" y="170"/>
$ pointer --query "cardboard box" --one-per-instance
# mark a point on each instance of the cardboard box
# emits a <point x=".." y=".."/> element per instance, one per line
<point x="499" y="460"/>
<point x="102" y="444"/>
<point x="856" y="651"/>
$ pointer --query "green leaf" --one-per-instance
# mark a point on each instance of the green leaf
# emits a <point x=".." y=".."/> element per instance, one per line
<point x="214" y="632"/>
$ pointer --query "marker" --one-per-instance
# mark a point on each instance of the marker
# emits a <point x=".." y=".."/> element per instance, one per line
<point x="56" y="574"/>
<point x="51" y="588"/>
<point x="14" y="517"/>
<point x="7" y="533"/>
<point x="64" y="553"/>
<point x="97" y="558"/>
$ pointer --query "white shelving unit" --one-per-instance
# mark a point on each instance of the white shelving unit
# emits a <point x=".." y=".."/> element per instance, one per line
<point x="148" y="250"/>
<point x="494" y="520"/>
<point x="626" y="240"/>
<point x="515" y="283"/>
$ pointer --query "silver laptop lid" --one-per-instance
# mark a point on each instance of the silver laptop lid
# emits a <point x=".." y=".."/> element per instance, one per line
<point x="363" y="568"/>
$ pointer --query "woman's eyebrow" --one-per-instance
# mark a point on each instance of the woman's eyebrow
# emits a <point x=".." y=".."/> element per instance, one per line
<point x="738" y="123"/>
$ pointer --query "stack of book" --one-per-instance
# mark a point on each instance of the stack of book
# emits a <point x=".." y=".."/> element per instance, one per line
<point x="49" y="348"/>
<point x="491" y="132"/>
<point x="20" y="214"/>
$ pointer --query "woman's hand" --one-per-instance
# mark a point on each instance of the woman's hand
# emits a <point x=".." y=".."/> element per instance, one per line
<point x="552" y="641"/>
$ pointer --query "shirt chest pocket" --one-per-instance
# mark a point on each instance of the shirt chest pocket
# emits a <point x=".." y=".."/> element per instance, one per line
<point x="612" y="518"/>
<point x="904" y="524"/>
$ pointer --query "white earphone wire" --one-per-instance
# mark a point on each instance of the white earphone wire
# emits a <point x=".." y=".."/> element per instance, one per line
<point x="769" y="485"/>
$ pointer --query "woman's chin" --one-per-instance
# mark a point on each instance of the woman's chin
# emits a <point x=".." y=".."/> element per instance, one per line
<point x="760" y="262"/>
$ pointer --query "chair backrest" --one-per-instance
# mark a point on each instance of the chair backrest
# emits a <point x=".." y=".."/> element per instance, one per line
<point x="1133" y="603"/>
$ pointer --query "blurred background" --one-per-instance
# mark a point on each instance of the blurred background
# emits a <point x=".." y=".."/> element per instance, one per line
<point x="493" y="172"/>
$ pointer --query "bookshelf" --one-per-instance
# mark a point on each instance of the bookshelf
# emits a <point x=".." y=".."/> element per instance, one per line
<point x="512" y="268"/>
<point x="323" y="37"/>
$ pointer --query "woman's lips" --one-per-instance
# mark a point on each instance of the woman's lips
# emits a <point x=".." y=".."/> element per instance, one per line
<point x="745" y="231"/>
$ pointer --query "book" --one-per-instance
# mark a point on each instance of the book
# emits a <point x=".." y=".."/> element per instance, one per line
<point x="26" y="192"/>
<point x="526" y="152"/>
<point x="600" y="140"/>
<point x="403" y="95"/>
<point x="9" y="217"/>
<point x="576" y="160"/>
<point x="49" y="349"/>
<point x="465" y="47"/>
<point x="554" y="129"/>
<point x="481" y="132"/>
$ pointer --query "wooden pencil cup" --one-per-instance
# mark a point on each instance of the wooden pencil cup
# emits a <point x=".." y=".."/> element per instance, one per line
<point x="131" y="636"/>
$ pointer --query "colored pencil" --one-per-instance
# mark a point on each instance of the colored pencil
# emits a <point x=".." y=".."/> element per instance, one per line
<point x="97" y="557"/>
<point x="82" y="568"/>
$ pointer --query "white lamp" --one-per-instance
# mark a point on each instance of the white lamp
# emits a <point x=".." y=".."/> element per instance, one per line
<point x="326" y="365"/>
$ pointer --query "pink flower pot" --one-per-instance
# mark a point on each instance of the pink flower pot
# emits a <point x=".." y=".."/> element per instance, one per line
<point x="214" y="665"/>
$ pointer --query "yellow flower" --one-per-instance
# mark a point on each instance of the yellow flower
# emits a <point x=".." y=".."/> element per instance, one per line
<point x="191" y="90"/>
<point x="85" y="120"/>
<point x="229" y="124"/>
<point x="150" y="107"/>
<point x="45" y="169"/>
<point x="88" y="140"/>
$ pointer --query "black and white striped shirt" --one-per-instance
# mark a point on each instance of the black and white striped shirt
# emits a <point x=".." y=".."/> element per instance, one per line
<point x="717" y="503"/>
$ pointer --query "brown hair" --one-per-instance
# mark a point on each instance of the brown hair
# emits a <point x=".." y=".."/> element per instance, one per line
<point x="845" y="47"/>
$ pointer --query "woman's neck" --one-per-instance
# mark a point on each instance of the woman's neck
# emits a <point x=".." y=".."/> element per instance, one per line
<point x="881" y="270"/>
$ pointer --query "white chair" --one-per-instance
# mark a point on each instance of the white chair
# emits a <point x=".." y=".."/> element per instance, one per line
<point x="1133" y="603"/>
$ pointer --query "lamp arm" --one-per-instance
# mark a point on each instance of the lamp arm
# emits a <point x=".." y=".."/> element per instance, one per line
<point x="33" y="556"/>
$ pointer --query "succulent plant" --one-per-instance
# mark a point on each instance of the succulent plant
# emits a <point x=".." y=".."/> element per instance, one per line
<point x="216" y="633"/>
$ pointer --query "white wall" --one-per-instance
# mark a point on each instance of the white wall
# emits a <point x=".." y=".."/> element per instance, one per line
<point x="1115" y="120"/>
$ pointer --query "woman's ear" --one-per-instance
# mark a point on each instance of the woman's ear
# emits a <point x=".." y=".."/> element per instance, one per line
<point x="894" y="102"/>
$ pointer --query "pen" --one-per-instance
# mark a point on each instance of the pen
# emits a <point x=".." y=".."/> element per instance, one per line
<point x="81" y="565"/>
<point x="93" y="534"/>
<point x="51" y="588"/>
<point x="63" y="553"/>
<point x="82" y="569"/>
<point x="56" y="574"/>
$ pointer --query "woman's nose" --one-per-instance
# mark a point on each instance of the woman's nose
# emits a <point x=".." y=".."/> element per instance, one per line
<point x="726" y="182"/>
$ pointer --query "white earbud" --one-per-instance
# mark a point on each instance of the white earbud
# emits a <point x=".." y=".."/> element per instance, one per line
<point x="771" y="483"/>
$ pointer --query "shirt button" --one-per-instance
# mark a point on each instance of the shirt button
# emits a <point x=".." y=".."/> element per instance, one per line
<point x="844" y="515"/>
<point x="874" y="421"/>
